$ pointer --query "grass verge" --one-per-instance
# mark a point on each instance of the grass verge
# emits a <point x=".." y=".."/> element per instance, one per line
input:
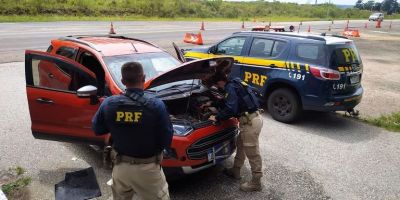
<point x="52" y="18"/>
<point x="10" y="188"/>
<point x="390" y="122"/>
<point x="14" y="183"/>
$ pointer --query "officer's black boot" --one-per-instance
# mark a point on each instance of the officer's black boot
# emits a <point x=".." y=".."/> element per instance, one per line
<point x="233" y="172"/>
<point x="253" y="185"/>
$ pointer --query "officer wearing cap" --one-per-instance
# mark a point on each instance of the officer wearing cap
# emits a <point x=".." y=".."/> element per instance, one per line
<point x="242" y="103"/>
<point x="140" y="129"/>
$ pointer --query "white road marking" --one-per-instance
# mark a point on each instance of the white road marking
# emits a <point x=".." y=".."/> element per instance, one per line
<point x="380" y="32"/>
<point x="92" y="32"/>
<point x="19" y="49"/>
<point x="386" y="32"/>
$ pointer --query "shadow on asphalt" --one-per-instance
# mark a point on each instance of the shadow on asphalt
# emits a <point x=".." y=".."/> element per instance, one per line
<point x="334" y="126"/>
<point x="279" y="181"/>
<point x="85" y="152"/>
<point x="47" y="177"/>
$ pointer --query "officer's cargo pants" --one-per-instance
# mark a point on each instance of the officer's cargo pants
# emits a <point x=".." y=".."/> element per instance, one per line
<point x="146" y="180"/>
<point x="248" y="144"/>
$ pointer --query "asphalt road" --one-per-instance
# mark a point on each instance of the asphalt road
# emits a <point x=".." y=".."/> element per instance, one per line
<point x="17" y="37"/>
<point x="324" y="156"/>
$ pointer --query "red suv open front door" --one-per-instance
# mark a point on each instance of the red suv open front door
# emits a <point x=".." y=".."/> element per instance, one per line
<point x="57" y="113"/>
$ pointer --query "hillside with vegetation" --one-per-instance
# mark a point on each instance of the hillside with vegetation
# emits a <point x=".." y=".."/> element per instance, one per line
<point x="172" y="9"/>
<point x="388" y="6"/>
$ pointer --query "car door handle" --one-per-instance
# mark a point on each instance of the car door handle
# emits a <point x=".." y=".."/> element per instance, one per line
<point x="236" y="61"/>
<point x="272" y="65"/>
<point x="45" y="101"/>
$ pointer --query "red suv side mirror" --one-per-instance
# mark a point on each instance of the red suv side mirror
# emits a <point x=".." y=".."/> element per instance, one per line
<point x="88" y="91"/>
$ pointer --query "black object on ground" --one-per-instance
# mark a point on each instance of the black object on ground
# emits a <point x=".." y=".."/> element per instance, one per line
<point x="78" y="185"/>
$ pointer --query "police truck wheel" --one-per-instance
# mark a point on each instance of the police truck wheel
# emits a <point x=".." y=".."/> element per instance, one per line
<point x="284" y="105"/>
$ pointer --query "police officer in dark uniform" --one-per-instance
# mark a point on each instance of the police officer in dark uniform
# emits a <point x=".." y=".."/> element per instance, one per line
<point x="241" y="102"/>
<point x="140" y="129"/>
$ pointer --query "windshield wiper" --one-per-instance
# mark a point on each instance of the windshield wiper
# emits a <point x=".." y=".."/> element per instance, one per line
<point x="178" y="87"/>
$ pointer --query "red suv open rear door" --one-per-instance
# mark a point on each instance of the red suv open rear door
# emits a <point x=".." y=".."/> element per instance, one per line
<point x="57" y="113"/>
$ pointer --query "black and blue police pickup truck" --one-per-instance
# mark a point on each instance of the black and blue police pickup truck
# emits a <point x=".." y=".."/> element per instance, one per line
<point x="294" y="71"/>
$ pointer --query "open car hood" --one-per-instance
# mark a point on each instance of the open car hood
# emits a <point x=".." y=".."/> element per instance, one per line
<point x="197" y="69"/>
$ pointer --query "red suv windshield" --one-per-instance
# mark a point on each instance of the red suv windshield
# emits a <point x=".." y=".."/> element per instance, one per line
<point x="153" y="64"/>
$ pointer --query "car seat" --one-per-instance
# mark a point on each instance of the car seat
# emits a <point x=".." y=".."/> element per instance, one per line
<point x="258" y="50"/>
<point x="93" y="65"/>
<point x="279" y="47"/>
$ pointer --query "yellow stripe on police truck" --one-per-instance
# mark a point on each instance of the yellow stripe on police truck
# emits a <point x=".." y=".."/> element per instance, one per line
<point x="345" y="69"/>
<point x="199" y="55"/>
<point x="254" y="61"/>
<point x="264" y="62"/>
<point x="307" y="68"/>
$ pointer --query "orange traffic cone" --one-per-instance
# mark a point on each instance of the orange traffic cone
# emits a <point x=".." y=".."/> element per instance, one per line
<point x="309" y="28"/>
<point x="193" y="38"/>
<point x="202" y="26"/>
<point x="351" y="33"/>
<point x="112" y="31"/>
<point x="243" y="25"/>
<point x="188" y="38"/>
<point x="378" y="24"/>
<point x="199" y="39"/>
<point x="356" y="33"/>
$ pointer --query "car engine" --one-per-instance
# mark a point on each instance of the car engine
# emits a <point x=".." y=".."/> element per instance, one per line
<point x="195" y="108"/>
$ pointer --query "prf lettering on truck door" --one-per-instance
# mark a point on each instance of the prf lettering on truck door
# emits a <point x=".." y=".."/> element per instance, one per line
<point x="254" y="78"/>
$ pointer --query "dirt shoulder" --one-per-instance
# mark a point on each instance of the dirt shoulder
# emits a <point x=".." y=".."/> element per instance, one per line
<point x="381" y="82"/>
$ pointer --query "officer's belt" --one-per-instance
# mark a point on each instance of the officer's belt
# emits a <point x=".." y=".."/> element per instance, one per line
<point x="246" y="117"/>
<point x="116" y="157"/>
<point x="133" y="160"/>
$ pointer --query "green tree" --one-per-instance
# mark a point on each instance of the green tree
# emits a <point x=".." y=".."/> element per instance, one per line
<point x="377" y="6"/>
<point x="359" y="4"/>
<point x="390" y="6"/>
<point x="369" y="5"/>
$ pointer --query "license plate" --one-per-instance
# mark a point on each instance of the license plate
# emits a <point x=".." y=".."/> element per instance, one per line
<point x="219" y="152"/>
<point x="211" y="155"/>
<point x="355" y="79"/>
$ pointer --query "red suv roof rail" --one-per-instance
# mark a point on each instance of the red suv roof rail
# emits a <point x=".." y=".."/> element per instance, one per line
<point x="77" y="37"/>
<point x="73" y="39"/>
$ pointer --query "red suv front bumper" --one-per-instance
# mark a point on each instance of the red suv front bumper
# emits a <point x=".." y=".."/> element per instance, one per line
<point x="204" y="147"/>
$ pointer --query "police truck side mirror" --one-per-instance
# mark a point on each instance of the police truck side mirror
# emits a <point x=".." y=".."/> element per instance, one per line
<point x="213" y="49"/>
<point x="88" y="91"/>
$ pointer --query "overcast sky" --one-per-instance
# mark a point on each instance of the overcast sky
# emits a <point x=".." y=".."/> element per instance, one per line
<point x="342" y="2"/>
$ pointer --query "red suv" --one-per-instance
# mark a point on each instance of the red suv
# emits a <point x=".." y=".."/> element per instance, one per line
<point x="66" y="85"/>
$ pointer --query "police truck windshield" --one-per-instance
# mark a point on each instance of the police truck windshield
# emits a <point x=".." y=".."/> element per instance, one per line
<point x="153" y="64"/>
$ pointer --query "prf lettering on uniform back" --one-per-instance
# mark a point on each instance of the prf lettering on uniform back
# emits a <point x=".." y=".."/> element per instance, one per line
<point x="349" y="53"/>
<point x="128" y="117"/>
<point x="255" y="78"/>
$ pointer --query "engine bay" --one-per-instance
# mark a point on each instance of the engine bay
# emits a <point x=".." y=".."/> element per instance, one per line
<point x="195" y="107"/>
